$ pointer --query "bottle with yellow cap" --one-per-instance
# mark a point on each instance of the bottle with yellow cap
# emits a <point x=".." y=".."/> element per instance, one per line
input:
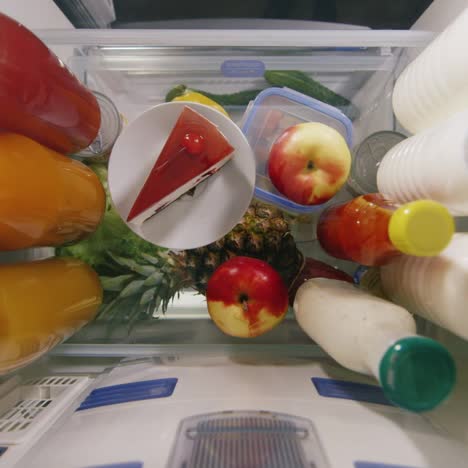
<point x="372" y="230"/>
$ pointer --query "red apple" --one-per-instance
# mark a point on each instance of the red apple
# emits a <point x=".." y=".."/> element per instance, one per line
<point x="246" y="297"/>
<point x="309" y="163"/>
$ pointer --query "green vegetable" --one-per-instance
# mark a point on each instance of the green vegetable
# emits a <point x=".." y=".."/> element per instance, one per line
<point x="303" y="83"/>
<point x="122" y="245"/>
<point x="133" y="272"/>
<point x="294" y="79"/>
<point x="241" y="98"/>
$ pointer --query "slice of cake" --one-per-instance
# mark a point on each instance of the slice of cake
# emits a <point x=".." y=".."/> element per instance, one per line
<point x="195" y="150"/>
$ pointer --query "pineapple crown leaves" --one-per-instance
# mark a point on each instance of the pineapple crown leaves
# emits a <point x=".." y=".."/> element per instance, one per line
<point x="142" y="289"/>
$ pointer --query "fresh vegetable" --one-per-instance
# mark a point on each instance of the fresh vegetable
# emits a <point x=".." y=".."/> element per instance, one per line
<point x="112" y="235"/>
<point x="46" y="199"/>
<point x="43" y="302"/>
<point x="303" y="83"/>
<point x="241" y="98"/>
<point x="193" y="96"/>
<point x="294" y="79"/>
<point x="134" y="273"/>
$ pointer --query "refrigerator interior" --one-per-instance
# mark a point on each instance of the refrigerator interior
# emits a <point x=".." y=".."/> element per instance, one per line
<point x="215" y="372"/>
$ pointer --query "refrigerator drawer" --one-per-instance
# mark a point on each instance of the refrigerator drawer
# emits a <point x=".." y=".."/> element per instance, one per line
<point x="137" y="68"/>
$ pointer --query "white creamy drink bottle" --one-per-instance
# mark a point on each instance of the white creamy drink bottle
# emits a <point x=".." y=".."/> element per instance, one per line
<point x="430" y="165"/>
<point x="434" y="85"/>
<point x="435" y="288"/>
<point x="373" y="336"/>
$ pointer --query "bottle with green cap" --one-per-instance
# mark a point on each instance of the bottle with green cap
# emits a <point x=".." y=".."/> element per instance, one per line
<point x="370" y="335"/>
<point x="372" y="230"/>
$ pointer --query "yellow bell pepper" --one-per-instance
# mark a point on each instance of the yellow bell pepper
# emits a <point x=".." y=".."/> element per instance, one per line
<point x="42" y="303"/>
<point x="192" y="96"/>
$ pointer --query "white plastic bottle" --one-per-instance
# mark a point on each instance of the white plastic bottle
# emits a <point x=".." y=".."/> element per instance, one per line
<point x="373" y="336"/>
<point x="434" y="85"/>
<point x="430" y="165"/>
<point x="435" y="288"/>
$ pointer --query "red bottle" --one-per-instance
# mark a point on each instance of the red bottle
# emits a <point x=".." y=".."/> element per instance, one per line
<point x="371" y="230"/>
<point x="39" y="97"/>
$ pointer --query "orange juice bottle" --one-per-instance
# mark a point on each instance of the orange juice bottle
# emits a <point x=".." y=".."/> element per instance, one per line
<point x="46" y="199"/>
<point x="371" y="230"/>
<point x="41" y="304"/>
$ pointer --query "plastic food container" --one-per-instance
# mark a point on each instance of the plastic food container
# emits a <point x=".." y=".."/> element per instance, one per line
<point x="272" y="112"/>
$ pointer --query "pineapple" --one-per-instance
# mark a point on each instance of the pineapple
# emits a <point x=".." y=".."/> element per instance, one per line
<point x="262" y="233"/>
<point x="139" y="278"/>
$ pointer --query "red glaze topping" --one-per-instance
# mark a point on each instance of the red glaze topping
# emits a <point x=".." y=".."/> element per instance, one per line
<point x="193" y="147"/>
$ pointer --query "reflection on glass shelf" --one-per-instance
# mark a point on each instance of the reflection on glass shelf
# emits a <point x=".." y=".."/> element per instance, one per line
<point x="189" y="304"/>
<point x="26" y="255"/>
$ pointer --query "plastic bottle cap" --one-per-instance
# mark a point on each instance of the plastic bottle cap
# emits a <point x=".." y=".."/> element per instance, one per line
<point x="417" y="373"/>
<point x="422" y="228"/>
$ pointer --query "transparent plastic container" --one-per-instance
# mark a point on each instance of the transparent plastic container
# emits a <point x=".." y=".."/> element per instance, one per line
<point x="111" y="126"/>
<point x="273" y="111"/>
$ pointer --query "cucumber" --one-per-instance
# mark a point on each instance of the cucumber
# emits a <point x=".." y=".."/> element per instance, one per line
<point x="241" y="98"/>
<point x="176" y="91"/>
<point x="299" y="81"/>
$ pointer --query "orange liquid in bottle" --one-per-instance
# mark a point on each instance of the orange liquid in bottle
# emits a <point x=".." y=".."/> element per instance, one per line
<point x="41" y="304"/>
<point x="358" y="230"/>
<point x="46" y="199"/>
<point x="39" y="97"/>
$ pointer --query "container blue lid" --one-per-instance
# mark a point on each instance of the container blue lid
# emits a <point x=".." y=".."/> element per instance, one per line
<point x="318" y="106"/>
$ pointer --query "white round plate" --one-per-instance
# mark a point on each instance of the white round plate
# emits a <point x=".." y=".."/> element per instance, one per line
<point x="189" y="222"/>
